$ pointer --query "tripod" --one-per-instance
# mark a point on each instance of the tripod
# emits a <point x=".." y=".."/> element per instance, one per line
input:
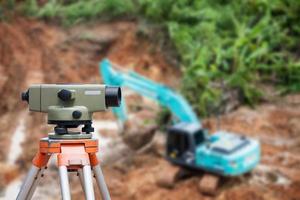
<point x="77" y="155"/>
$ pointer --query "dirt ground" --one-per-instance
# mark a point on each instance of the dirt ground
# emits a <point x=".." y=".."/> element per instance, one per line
<point x="276" y="177"/>
<point x="34" y="52"/>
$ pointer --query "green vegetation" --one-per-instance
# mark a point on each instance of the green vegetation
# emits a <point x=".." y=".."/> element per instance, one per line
<point x="227" y="45"/>
<point x="223" y="45"/>
<point x="6" y="9"/>
<point x="78" y="11"/>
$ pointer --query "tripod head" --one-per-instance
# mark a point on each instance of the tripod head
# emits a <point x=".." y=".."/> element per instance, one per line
<point x="71" y="105"/>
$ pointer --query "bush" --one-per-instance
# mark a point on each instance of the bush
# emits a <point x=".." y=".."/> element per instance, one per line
<point x="227" y="44"/>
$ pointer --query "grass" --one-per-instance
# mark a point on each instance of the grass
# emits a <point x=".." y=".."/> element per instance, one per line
<point x="79" y="11"/>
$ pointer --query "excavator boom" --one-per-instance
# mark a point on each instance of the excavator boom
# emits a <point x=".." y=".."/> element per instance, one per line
<point x="164" y="95"/>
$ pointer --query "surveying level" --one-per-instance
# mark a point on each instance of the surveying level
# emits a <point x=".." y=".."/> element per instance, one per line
<point x="69" y="106"/>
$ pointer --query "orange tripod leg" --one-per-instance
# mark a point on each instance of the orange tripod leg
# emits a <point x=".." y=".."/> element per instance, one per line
<point x="40" y="160"/>
<point x="99" y="176"/>
<point x="39" y="163"/>
<point x="74" y="157"/>
<point x="93" y="159"/>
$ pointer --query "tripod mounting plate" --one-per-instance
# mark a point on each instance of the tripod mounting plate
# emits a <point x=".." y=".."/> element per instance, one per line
<point x="70" y="136"/>
<point x="48" y="145"/>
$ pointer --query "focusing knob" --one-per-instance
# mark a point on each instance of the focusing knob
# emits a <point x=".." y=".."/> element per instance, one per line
<point x="64" y="95"/>
<point x="25" y="96"/>
<point x="76" y="114"/>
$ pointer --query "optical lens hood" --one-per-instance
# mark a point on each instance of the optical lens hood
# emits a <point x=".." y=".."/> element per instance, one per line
<point x="113" y="96"/>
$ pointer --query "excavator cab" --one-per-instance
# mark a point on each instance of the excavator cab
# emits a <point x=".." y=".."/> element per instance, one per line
<point x="182" y="141"/>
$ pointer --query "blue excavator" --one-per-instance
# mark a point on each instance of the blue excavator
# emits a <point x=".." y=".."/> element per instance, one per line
<point x="188" y="144"/>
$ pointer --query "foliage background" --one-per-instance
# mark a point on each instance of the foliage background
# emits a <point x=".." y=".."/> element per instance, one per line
<point x="225" y="48"/>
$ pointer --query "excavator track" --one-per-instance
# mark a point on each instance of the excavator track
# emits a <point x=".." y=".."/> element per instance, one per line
<point x="171" y="174"/>
<point x="208" y="184"/>
<point x="167" y="177"/>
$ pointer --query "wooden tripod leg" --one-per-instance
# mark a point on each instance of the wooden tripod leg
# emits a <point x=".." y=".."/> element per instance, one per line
<point x="99" y="177"/>
<point x="31" y="181"/>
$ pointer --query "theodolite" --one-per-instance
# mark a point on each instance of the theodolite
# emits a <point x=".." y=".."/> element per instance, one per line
<point x="69" y="106"/>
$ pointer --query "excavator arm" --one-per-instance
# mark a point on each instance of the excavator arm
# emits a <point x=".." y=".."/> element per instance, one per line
<point x="165" y="96"/>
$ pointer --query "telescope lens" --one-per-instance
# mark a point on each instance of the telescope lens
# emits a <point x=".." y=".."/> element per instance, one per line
<point x="113" y="96"/>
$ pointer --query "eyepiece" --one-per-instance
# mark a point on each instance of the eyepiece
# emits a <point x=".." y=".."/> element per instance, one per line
<point x="113" y="96"/>
<point x="25" y="96"/>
